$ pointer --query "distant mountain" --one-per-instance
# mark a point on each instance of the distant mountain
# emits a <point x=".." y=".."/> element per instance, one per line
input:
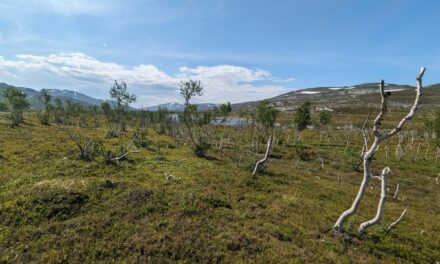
<point x="64" y="95"/>
<point x="177" y="107"/>
<point x="359" y="97"/>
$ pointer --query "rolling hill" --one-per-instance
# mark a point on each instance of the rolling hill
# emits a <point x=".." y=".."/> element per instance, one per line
<point x="65" y="95"/>
<point x="360" y="96"/>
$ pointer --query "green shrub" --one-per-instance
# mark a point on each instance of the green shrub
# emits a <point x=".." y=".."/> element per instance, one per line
<point x="43" y="117"/>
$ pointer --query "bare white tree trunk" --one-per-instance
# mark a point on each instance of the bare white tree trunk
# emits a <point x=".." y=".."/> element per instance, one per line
<point x="396" y="192"/>
<point x="384" y="177"/>
<point x="364" y="184"/>
<point x="260" y="164"/>
<point x="378" y="137"/>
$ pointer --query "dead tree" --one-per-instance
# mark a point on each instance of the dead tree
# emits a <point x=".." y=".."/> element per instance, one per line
<point x="372" y="149"/>
<point x="261" y="163"/>
<point x="120" y="153"/>
<point x="86" y="146"/>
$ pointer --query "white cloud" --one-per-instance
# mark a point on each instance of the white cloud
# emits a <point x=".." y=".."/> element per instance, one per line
<point x="153" y="86"/>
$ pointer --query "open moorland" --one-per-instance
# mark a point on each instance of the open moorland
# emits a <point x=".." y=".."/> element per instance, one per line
<point x="70" y="192"/>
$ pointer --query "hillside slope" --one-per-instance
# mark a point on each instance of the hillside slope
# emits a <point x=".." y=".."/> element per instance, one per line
<point x="359" y="96"/>
<point x="64" y="95"/>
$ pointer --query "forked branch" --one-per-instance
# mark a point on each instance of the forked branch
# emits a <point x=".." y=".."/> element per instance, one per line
<point x="384" y="178"/>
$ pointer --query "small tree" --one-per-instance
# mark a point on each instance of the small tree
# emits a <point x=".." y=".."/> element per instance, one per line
<point x="119" y="93"/>
<point x="109" y="119"/>
<point x="17" y="104"/>
<point x="45" y="98"/>
<point x="302" y="116"/>
<point x="199" y="139"/>
<point x="225" y="109"/>
<point x="59" y="111"/>
<point x="266" y="116"/>
<point x="324" y="118"/>
<point x="75" y="113"/>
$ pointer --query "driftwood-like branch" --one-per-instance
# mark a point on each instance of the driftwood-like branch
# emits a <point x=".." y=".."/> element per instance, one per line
<point x="363" y="227"/>
<point x="378" y="137"/>
<point x="260" y="164"/>
<point x="171" y="177"/>
<point x="394" y="224"/>
<point x="125" y="154"/>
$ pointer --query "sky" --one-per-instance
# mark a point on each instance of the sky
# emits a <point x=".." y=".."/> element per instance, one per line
<point x="241" y="50"/>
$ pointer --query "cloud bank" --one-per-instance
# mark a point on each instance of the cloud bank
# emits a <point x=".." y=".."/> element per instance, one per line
<point x="86" y="74"/>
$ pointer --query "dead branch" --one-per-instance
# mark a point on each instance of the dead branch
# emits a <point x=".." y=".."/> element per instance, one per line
<point x="111" y="156"/>
<point x="394" y="224"/>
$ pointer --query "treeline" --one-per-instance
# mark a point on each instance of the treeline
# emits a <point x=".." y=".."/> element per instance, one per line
<point x="117" y="116"/>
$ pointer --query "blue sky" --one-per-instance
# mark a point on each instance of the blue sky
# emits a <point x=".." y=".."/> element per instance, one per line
<point x="241" y="50"/>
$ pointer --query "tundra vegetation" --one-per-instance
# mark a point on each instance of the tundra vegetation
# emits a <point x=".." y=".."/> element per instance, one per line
<point x="114" y="184"/>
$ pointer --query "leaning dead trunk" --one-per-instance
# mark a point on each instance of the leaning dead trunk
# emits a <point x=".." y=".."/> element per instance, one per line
<point x="363" y="227"/>
<point x="260" y="164"/>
